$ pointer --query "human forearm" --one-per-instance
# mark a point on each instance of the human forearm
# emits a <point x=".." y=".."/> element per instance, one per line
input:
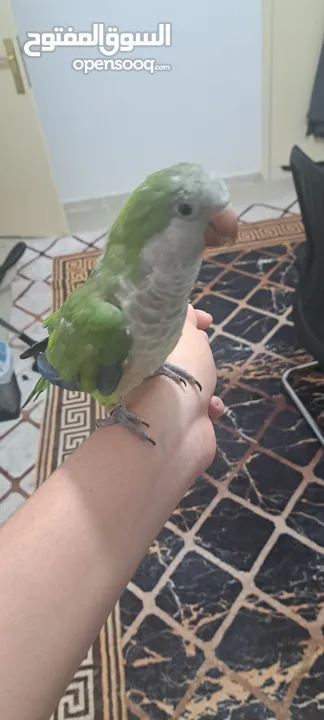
<point x="66" y="556"/>
<point x="68" y="553"/>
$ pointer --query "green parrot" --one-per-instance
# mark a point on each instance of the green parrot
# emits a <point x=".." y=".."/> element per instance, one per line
<point x="120" y="326"/>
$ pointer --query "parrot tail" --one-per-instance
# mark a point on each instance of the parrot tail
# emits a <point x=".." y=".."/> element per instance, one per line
<point x="34" y="350"/>
<point x="40" y="386"/>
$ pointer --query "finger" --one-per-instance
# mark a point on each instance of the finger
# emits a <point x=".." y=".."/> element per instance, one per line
<point x="204" y="320"/>
<point x="191" y="315"/>
<point x="216" y="409"/>
<point x="199" y="318"/>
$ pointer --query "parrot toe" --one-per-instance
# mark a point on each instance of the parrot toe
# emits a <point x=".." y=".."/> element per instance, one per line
<point x="178" y="374"/>
<point x="120" y="415"/>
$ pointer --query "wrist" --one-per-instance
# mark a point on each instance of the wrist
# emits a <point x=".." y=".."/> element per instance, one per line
<point x="171" y="409"/>
<point x="178" y="423"/>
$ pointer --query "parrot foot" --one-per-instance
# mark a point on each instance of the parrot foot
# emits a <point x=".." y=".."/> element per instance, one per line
<point x="126" y="419"/>
<point x="178" y="374"/>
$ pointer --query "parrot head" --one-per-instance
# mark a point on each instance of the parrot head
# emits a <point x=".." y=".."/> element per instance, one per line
<point x="201" y="200"/>
<point x="183" y="208"/>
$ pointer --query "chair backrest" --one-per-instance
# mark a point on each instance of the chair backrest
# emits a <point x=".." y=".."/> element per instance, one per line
<point x="309" y="183"/>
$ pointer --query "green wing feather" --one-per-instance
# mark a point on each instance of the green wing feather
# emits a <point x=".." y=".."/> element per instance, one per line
<point x="88" y="331"/>
<point x="40" y="386"/>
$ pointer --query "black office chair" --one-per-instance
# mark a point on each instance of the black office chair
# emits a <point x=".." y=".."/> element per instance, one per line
<point x="308" y="309"/>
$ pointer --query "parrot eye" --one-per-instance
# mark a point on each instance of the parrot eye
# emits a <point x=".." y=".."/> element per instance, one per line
<point x="184" y="209"/>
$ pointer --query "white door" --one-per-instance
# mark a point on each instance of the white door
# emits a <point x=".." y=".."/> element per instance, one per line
<point x="294" y="32"/>
<point x="29" y="201"/>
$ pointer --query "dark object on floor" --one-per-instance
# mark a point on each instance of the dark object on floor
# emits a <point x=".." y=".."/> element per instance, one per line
<point x="12" y="258"/>
<point x="315" y="115"/>
<point x="287" y="168"/>
<point x="21" y="335"/>
<point x="25" y="338"/>
<point x="308" y="308"/>
<point x="10" y="398"/>
<point x="10" y="395"/>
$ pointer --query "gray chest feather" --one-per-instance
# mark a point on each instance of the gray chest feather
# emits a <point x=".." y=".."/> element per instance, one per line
<point x="156" y="310"/>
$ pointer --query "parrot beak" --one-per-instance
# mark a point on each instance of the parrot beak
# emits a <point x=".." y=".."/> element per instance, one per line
<point x="222" y="229"/>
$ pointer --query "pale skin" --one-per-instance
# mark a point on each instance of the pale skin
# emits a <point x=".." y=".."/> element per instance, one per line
<point x="69" y="552"/>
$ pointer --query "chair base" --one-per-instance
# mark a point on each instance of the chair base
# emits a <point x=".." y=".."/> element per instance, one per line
<point x="312" y="424"/>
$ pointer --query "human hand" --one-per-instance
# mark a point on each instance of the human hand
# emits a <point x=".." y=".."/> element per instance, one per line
<point x="198" y="320"/>
<point x="182" y="418"/>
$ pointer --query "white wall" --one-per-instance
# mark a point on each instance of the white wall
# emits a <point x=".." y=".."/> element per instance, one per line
<point x="106" y="131"/>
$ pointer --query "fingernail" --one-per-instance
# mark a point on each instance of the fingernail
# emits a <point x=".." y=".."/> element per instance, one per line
<point x="220" y="404"/>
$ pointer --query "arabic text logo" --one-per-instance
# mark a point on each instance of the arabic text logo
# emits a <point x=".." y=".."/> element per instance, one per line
<point x="108" y="40"/>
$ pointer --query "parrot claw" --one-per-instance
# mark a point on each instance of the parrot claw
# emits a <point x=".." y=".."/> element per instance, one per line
<point x="178" y="374"/>
<point x="126" y="419"/>
<point x="133" y="418"/>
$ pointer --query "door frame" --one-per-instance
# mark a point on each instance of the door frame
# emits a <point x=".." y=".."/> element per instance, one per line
<point x="31" y="204"/>
<point x="268" y="171"/>
<point x="267" y="49"/>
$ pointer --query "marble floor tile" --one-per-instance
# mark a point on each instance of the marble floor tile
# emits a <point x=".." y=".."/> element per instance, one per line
<point x="9" y="505"/>
<point x="190" y="599"/>
<point x="18" y="450"/>
<point x="265" y="646"/>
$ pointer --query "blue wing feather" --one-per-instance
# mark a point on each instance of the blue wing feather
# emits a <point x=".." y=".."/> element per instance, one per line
<point x="108" y="377"/>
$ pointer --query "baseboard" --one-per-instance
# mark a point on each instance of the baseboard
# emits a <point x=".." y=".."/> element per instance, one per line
<point x="95" y="213"/>
<point x="244" y="179"/>
<point x="278" y="173"/>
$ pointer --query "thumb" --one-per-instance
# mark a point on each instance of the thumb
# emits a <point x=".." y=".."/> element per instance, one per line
<point x="199" y="318"/>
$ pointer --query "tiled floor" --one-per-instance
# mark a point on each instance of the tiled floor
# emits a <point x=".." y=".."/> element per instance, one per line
<point x="31" y="292"/>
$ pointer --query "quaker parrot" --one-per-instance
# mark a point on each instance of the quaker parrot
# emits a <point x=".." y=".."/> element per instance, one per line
<point x="120" y="326"/>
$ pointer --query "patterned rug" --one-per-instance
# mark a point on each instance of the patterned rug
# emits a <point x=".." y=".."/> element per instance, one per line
<point x="224" y="618"/>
